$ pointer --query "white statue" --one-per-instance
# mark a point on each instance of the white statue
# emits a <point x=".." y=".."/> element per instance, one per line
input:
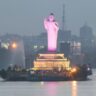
<point x="52" y="30"/>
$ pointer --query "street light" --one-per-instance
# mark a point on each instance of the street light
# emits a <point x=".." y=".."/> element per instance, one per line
<point x="14" y="45"/>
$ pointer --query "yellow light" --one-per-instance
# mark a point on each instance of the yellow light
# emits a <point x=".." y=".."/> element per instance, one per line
<point x="14" y="45"/>
<point x="73" y="70"/>
<point x="74" y="88"/>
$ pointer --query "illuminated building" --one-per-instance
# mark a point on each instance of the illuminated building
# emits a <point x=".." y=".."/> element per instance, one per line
<point x="76" y="48"/>
<point x="51" y="61"/>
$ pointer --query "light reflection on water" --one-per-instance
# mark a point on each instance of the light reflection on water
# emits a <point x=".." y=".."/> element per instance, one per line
<point x="74" y="88"/>
<point x="51" y="89"/>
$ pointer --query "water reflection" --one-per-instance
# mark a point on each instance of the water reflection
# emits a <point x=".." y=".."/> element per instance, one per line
<point x="74" y="88"/>
<point x="51" y="89"/>
<point x="55" y="88"/>
<point x="42" y="83"/>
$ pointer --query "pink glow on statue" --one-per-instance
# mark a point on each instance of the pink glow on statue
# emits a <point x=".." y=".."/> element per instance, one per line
<point x="52" y="30"/>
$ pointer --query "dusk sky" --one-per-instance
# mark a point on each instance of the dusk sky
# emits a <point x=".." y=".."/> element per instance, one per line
<point x="25" y="17"/>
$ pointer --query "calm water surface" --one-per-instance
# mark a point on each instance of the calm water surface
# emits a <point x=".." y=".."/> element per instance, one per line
<point x="68" y="88"/>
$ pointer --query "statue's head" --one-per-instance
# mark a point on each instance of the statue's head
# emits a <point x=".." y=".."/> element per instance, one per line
<point x="51" y="17"/>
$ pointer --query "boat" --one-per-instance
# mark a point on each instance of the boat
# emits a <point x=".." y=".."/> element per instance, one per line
<point x="76" y="73"/>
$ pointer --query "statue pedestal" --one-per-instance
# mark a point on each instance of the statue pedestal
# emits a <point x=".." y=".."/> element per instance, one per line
<point x="50" y="61"/>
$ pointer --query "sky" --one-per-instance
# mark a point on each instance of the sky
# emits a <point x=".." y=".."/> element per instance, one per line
<point x="25" y="17"/>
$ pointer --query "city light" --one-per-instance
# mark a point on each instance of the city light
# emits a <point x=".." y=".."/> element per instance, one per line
<point x="35" y="46"/>
<point x="14" y="45"/>
<point x="73" y="70"/>
<point x="5" y="45"/>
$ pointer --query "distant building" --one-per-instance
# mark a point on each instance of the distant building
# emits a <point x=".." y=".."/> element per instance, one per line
<point x="86" y="36"/>
<point x="64" y="35"/>
<point x="75" y="48"/>
<point x="65" y="48"/>
<point x="32" y="45"/>
<point x="43" y="39"/>
<point x="9" y="55"/>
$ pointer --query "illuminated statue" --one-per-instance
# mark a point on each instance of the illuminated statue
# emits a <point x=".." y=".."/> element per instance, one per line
<point x="52" y="30"/>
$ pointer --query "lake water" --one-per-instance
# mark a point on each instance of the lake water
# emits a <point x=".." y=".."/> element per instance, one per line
<point x="66" y="88"/>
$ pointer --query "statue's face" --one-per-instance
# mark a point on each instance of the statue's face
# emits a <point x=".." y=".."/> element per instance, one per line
<point x="51" y="18"/>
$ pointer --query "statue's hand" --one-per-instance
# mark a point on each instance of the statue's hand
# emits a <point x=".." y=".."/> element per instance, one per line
<point x="46" y="23"/>
<point x="56" y="26"/>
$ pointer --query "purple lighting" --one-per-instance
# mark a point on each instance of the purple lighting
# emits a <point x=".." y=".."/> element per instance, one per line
<point x="52" y="30"/>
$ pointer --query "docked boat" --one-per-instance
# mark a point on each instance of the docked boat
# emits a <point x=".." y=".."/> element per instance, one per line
<point x="75" y="73"/>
